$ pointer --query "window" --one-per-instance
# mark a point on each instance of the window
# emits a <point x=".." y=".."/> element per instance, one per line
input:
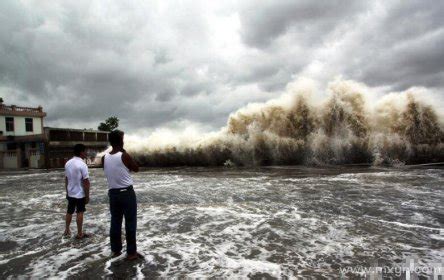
<point x="28" y="124"/>
<point x="9" y="123"/>
<point x="11" y="146"/>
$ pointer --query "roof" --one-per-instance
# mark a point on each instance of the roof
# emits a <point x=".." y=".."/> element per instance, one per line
<point x="46" y="128"/>
<point x="14" y="110"/>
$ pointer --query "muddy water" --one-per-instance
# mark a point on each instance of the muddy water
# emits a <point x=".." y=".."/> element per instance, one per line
<point x="201" y="222"/>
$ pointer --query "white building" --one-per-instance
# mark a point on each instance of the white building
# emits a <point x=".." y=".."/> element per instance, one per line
<point x="21" y="137"/>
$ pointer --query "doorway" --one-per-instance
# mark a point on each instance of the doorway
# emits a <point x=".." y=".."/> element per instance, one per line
<point x="24" y="162"/>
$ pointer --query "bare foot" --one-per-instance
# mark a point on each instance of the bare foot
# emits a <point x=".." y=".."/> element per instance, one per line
<point x="67" y="233"/>
<point x="83" y="235"/>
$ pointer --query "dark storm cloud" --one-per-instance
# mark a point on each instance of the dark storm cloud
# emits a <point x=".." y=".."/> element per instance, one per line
<point x="410" y="51"/>
<point x="265" y="21"/>
<point x="155" y="63"/>
<point x="383" y="43"/>
<point x="417" y="63"/>
<point x="197" y="88"/>
<point x="84" y="69"/>
<point x="165" y="95"/>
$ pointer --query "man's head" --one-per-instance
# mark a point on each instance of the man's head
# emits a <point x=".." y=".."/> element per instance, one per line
<point x="80" y="151"/>
<point x="115" y="138"/>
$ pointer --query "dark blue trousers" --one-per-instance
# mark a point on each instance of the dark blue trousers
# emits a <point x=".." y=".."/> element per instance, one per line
<point x="122" y="203"/>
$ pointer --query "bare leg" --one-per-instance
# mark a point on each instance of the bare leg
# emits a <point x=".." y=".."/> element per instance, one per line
<point x="67" y="224"/>
<point x="79" y="220"/>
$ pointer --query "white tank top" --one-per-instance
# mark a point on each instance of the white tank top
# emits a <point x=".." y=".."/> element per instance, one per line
<point x="117" y="174"/>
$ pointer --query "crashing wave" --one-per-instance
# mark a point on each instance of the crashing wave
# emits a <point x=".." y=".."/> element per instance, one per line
<point x="346" y="127"/>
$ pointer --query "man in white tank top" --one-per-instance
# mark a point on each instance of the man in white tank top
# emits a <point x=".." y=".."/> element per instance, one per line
<point x="117" y="165"/>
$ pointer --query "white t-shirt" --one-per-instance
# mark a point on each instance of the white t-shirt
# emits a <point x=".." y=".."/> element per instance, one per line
<point x="76" y="171"/>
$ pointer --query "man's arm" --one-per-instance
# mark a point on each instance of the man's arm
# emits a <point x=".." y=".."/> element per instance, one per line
<point x="85" y="181"/>
<point x="103" y="162"/>
<point x="129" y="162"/>
<point x="86" y="186"/>
<point x="66" y="186"/>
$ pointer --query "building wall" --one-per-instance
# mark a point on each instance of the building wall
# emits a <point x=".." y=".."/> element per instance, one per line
<point x="10" y="159"/>
<point x="35" y="159"/>
<point x="60" y="143"/>
<point x="20" y="127"/>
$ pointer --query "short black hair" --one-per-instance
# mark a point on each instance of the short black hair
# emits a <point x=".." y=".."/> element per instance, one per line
<point x="115" y="137"/>
<point x="78" y="148"/>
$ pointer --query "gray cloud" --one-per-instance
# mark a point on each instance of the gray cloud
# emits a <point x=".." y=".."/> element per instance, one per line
<point x="153" y="64"/>
<point x="409" y="52"/>
<point x="308" y="21"/>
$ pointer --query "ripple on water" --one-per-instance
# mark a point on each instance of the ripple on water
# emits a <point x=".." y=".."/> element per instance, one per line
<point x="230" y="224"/>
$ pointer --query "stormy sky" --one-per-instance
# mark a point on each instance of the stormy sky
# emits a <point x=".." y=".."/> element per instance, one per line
<point x="177" y="63"/>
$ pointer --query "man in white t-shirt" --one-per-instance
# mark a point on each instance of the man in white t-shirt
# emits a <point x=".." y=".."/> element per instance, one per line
<point x="77" y="188"/>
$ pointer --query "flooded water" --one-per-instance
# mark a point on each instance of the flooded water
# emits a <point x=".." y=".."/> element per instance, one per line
<point x="202" y="222"/>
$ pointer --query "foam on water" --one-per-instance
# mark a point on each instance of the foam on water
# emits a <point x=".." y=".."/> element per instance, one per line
<point x="232" y="223"/>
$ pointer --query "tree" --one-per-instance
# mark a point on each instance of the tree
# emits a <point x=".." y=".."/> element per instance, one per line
<point x="1" y="100"/>
<point x="110" y="123"/>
